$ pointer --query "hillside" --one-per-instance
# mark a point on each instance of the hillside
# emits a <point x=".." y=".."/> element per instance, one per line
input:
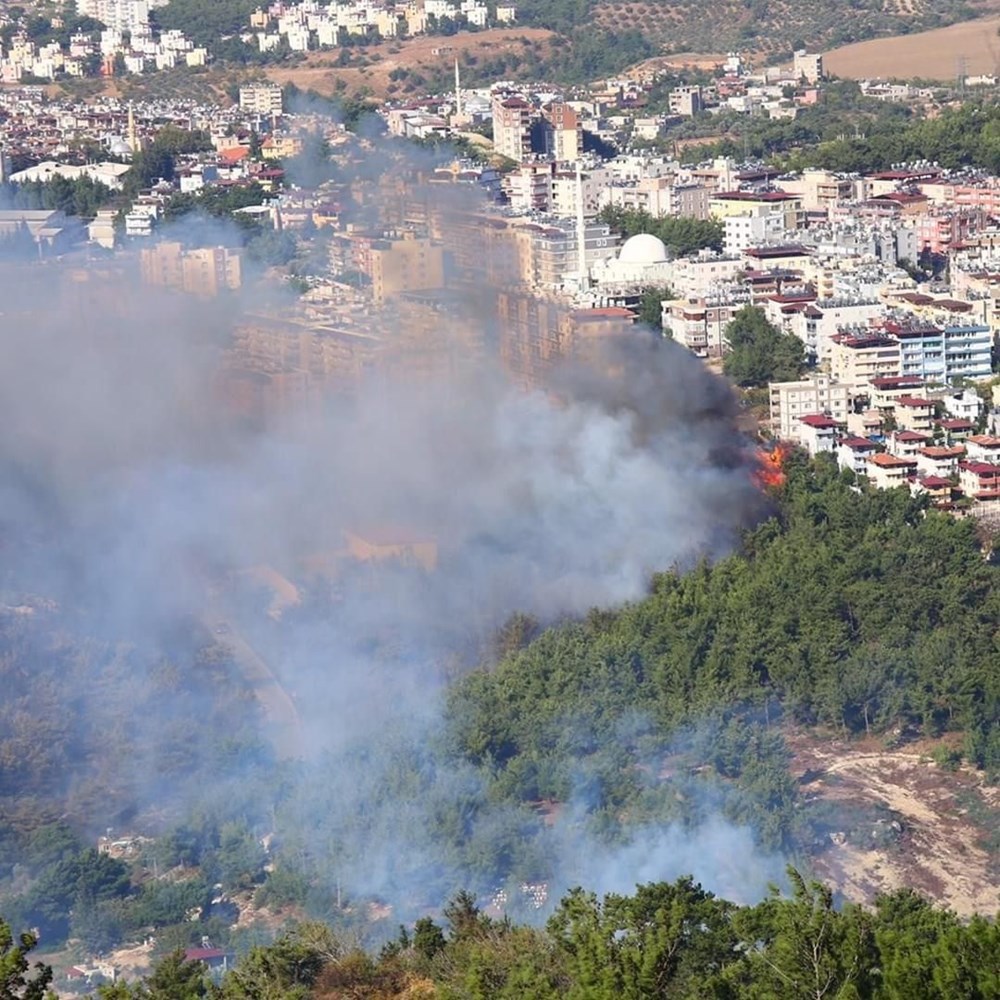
<point x="769" y="27"/>
<point x="929" y="55"/>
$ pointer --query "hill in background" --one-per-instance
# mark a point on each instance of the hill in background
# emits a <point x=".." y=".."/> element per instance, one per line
<point x="770" y="27"/>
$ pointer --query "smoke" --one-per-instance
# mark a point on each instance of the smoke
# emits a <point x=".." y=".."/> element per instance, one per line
<point x="133" y="498"/>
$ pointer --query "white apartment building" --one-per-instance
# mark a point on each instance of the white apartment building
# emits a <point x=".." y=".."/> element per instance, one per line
<point x="816" y="394"/>
<point x="659" y="196"/>
<point x="261" y="98"/>
<point x="751" y="230"/>
<point x="818" y="433"/>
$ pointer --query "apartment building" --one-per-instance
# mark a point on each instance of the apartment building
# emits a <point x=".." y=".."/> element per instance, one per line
<point x="807" y="66"/>
<point x="939" y="460"/>
<point x="883" y="392"/>
<point x="960" y="349"/>
<point x="705" y="274"/>
<point x="560" y="132"/>
<point x="700" y="324"/>
<point x="818" y="325"/>
<point x="818" y="433"/>
<point x="983" y="448"/>
<point x="723" y="204"/>
<point x="857" y="359"/>
<point x="537" y="333"/>
<point x="261" y="98"/>
<point x="907" y="443"/>
<point x="512" y="127"/>
<point x="816" y="394"/>
<point x="686" y="101"/>
<point x="659" y="196"/>
<point x="405" y="265"/>
<point x="979" y="480"/>
<point x="853" y="453"/>
<point x="204" y="272"/>
<point x="888" y="472"/>
<point x="555" y="251"/>
<point x="818" y="189"/>
<point x="912" y="413"/>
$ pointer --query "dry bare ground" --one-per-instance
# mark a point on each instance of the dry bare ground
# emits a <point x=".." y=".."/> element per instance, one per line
<point x="938" y="850"/>
<point x="683" y="60"/>
<point x="418" y="54"/>
<point x="932" y="55"/>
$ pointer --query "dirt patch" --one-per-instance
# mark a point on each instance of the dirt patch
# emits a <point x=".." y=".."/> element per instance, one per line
<point x="682" y="60"/>
<point x="423" y="55"/>
<point x="928" y="830"/>
<point x="931" y="55"/>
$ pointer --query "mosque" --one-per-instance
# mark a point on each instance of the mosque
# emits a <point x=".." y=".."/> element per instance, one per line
<point x="642" y="261"/>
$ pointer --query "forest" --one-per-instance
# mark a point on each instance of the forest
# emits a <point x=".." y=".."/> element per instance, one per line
<point x="663" y="939"/>
<point x="850" y="133"/>
<point x="860" y="613"/>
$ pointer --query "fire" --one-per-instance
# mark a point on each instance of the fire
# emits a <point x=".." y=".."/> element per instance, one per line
<point x="770" y="472"/>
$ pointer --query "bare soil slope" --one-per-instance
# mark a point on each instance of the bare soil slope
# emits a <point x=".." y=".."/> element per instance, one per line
<point x="932" y="55"/>
<point x="936" y="823"/>
<point x="423" y="55"/>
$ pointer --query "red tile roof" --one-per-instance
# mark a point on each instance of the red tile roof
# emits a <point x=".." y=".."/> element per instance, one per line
<point x="818" y="420"/>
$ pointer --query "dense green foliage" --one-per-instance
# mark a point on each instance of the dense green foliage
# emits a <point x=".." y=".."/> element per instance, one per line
<point x="82" y="196"/>
<point x="15" y="981"/>
<point x="651" y="307"/>
<point x="848" y="132"/>
<point x="72" y="749"/>
<point x="681" y="234"/>
<point x="157" y="160"/>
<point x="206" y="23"/>
<point x="664" y="940"/>
<point x="859" y="612"/>
<point x="759" y="352"/>
<point x="964" y="136"/>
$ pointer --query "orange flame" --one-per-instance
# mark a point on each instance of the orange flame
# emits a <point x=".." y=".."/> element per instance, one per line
<point x="770" y="472"/>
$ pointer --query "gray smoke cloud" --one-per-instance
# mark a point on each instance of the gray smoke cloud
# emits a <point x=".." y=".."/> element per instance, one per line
<point x="132" y="497"/>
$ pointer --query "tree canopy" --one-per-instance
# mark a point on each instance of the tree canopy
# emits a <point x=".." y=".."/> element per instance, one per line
<point x="663" y="940"/>
<point x="681" y="234"/>
<point x="759" y="352"/>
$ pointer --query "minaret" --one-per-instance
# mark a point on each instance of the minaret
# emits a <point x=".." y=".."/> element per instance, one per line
<point x="133" y="138"/>
<point x="458" y="91"/>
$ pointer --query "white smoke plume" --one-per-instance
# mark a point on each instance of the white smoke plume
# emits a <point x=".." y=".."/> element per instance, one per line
<point x="127" y="488"/>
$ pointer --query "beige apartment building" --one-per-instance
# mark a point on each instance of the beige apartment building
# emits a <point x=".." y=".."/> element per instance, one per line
<point x="512" y="127"/>
<point x="204" y="272"/>
<point x="857" y="359"/>
<point x="406" y="265"/>
<point x="561" y="132"/>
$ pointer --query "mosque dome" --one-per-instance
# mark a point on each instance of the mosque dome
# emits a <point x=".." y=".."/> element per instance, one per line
<point x="120" y="147"/>
<point x="643" y="248"/>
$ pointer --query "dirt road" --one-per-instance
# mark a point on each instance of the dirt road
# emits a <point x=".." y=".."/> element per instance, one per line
<point x="284" y="724"/>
